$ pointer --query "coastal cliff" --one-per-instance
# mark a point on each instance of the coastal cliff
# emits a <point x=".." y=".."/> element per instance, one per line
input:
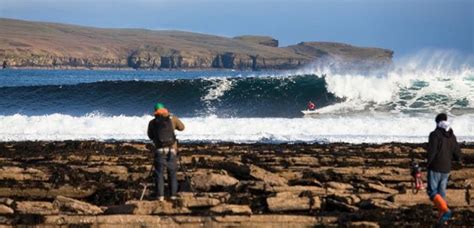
<point x="26" y="44"/>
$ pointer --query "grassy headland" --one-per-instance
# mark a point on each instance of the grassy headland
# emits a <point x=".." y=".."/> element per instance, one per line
<point x="26" y="44"/>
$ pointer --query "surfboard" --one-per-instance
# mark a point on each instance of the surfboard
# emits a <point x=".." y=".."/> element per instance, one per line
<point x="310" y="112"/>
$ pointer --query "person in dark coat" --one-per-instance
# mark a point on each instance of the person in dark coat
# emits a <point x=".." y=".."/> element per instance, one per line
<point x="161" y="131"/>
<point x="443" y="148"/>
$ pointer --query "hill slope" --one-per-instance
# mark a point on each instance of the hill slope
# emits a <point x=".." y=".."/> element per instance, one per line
<point x="51" y="45"/>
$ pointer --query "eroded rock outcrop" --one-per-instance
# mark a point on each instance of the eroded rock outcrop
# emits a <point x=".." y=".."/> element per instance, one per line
<point x="204" y="180"/>
<point x="65" y="204"/>
<point x="289" y="201"/>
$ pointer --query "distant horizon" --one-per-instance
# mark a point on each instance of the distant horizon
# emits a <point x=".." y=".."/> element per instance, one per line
<point x="406" y="27"/>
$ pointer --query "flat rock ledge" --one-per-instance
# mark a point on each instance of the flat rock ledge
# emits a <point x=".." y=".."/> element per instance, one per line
<point x="187" y="221"/>
<point x="87" y="183"/>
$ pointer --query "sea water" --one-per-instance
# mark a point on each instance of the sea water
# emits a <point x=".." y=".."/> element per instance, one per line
<point x="397" y="104"/>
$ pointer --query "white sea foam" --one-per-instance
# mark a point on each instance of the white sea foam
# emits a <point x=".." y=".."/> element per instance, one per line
<point x="367" y="128"/>
<point x="430" y="80"/>
<point x="215" y="91"/>
<point x="217" y="88"/>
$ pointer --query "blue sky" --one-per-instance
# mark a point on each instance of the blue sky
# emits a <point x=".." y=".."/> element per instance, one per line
<point x="405" y="26"/>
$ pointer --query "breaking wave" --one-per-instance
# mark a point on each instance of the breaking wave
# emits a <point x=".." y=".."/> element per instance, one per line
<point x="397" y="103"/>
<point x="428" y="82"/>
<point x="225" y="97"/>
<point x="431" y="81"/>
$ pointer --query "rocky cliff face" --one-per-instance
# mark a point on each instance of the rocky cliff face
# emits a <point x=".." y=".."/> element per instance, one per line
<point x="227" y="60"/>
<point x="48" y="45"/>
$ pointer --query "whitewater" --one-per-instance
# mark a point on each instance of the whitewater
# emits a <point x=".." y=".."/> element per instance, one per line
<point x="373" y="128"/>
<point x="397" y="104"/>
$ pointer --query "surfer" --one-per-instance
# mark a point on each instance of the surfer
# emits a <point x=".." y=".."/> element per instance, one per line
<point x="161" y="131"/>
<point x="442" y="149"/>
<point x="311" y="106"/>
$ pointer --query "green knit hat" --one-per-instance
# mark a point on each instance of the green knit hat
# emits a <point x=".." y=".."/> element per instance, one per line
<point x="159" y="105"/>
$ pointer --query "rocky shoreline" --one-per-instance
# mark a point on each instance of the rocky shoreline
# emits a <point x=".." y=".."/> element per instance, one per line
<point x="88" y="183"/>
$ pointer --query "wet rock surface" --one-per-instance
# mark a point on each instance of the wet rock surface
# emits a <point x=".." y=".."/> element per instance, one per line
<point x="89" y="183"/>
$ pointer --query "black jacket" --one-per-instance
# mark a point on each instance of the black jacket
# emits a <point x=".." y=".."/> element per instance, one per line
<point x="442" y="149"/>
<point x="177" y="125"/>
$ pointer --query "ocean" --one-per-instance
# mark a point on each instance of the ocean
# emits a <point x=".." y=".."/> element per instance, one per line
<point x="396" y="104"/>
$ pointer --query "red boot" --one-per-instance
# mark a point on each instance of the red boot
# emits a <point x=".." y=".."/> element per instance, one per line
<point x="444" y="212"/>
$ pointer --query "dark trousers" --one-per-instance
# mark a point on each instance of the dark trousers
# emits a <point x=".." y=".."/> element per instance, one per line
<point x="165" y="158"/>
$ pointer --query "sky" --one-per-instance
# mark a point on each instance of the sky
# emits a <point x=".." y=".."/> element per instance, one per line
<point x="405" y="26"/>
